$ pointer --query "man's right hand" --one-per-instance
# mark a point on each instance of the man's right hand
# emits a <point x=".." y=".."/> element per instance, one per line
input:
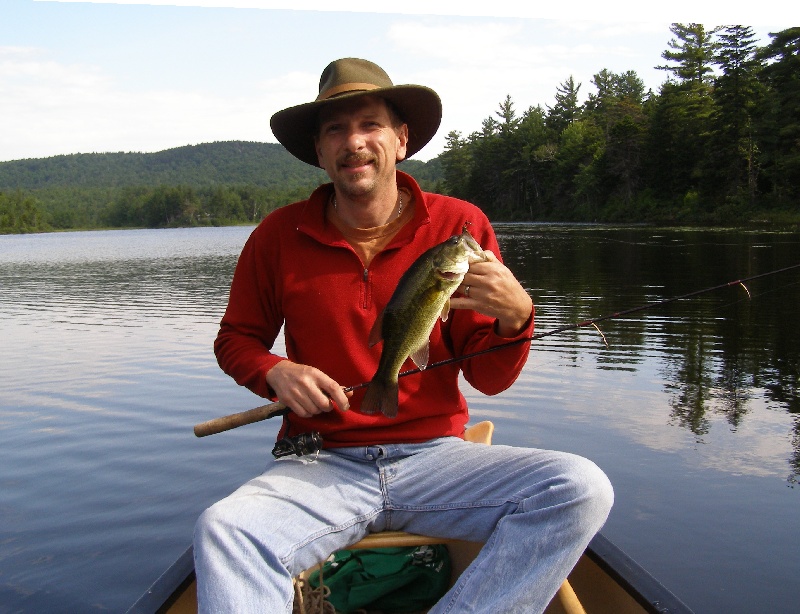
<point x="307" y="391"/>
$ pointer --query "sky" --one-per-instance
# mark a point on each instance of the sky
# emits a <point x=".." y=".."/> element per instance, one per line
<point x="130" y="75"/>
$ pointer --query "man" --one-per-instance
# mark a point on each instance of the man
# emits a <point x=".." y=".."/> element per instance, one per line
<point x="323" y="269"/>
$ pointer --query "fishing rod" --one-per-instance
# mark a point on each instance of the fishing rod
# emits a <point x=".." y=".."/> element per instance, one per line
<point x="263" y="412"/>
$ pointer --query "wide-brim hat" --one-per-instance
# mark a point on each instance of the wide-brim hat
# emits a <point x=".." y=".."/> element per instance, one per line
<point x="419" y="107"/>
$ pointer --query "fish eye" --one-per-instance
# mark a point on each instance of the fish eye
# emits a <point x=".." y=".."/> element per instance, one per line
<point x="454" y="239"/>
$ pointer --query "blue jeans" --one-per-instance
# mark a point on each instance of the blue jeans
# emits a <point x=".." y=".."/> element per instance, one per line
<point x="536" y="511"/>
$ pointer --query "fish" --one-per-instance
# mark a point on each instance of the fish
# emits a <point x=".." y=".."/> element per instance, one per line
<point x="421" y="297"/>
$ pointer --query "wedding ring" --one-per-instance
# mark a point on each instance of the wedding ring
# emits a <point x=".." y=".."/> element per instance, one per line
<point x="466" y="291"/>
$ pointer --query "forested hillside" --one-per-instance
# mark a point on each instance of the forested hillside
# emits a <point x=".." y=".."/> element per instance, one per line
<point x="213" y="183"/>
<point x="235" y="162"/>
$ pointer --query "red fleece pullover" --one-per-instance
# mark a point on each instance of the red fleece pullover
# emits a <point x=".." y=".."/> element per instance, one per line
<point x="298" y="271"/>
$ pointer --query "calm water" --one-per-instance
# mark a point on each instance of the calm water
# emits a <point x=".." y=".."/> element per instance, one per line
<point x="692" y="408"/>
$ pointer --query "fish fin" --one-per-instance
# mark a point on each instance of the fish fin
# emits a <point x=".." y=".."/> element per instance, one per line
<point x="381" y="396"/>
<point x="421" y="354"/>
<point x="445" y="310"/>
<point x="376" y="334"/>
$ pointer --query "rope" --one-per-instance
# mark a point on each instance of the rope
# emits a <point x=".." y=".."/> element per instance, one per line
<point x="310" y="600"/>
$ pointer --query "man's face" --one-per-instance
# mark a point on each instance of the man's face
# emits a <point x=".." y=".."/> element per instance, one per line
<point x="358" y="145"/>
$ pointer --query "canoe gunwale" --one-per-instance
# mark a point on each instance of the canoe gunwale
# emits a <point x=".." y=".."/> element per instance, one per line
<point x="168" y="587"/>
<point x="653" y="596"/>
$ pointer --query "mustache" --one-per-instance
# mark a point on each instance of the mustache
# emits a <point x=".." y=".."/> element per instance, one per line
<point x="356" y="159"/>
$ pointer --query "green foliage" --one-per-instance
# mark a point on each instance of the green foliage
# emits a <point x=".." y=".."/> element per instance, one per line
<point x="20" y="214"/>
<point x="778" y="122"/>
<point x="708" y="148"/>
<point x="692" y="52"/>
<point x="567" y="109"/>
<point x="169" y="206"/>
<point x="210" y="184"/>
<point x="234" y="162"/>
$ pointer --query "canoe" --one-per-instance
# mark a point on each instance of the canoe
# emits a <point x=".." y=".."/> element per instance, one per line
<point x="605" y="581"/>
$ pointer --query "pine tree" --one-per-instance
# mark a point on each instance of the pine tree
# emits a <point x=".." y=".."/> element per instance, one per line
<point x="779" y="121"/>
<point x="731" y="165"/>
<point x="566" y="109"/>
<point x="693" y="52"/>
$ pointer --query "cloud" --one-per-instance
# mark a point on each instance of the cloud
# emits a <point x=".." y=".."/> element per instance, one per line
<point x="286" y="90"/>
<point x="49" y="106"/>
<point x="474" y="64"/>
<point x="471" y="44"/>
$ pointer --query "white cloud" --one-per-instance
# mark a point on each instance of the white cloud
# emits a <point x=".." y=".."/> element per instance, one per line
<point x="287" y="90"/>
<point x="51" y="107"/>
<point x="474" y="65"/>
<point x="474" y="45"/>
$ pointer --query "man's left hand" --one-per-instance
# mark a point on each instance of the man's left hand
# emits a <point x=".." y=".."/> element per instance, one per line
<point x="490" y="288"/>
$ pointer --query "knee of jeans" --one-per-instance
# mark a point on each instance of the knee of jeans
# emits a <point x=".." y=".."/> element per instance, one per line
<point x="211" y="524"/>
<point x="594" y="488"/>
<point x="579" y="481"/>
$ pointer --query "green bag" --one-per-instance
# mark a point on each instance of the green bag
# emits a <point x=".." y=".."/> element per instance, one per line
<point x="400" y="580"/>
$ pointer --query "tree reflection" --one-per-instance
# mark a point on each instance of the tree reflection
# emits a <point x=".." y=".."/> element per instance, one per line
<point x="734" y="394"/>
<point x="690" y="384"/>
<point x="718" y="352"/>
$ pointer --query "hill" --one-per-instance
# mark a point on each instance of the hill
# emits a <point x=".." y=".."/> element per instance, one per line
<point x="232" y="162"/>
<point x="213" y="183"/>
<point x="208" y="164"/>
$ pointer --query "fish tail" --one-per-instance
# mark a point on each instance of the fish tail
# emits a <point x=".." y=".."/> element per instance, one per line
<point x="381" y="396"/>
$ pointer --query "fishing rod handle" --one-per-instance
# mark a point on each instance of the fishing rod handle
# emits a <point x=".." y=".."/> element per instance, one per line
<point x="226" y="423"/>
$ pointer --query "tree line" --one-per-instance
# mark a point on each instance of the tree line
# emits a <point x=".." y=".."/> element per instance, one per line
<point x="718" y="143"/>
<point x="211" y="184"/>
<point x="141" y="206"/>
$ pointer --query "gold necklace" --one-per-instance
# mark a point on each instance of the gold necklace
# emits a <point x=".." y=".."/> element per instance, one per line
<point x="399" y="209"/>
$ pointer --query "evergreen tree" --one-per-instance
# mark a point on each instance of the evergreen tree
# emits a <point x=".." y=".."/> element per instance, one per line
<point x="576" y="188"/>
<point x="692" y="51"/>
<point x="779" y="120"/>
<point x="508" y="116"/>
<point x="681" y="120"/>
<point x="617" y="109"/>
<point x="491" y="156"/>
<point x="457" y="164"/>
<point x="731" y="166"/>
<point x="536" y="163"/>
<point x="566" y="109"/>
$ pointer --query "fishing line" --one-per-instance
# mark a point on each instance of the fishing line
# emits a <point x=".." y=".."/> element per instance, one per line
<point x="585" y="323"/>
<point x="257" y="414"/>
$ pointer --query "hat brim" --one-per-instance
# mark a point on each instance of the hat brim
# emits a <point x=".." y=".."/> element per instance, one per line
<point x="419" y="106"/>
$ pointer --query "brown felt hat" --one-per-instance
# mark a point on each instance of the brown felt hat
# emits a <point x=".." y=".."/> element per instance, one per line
<point x="419" y="106"/>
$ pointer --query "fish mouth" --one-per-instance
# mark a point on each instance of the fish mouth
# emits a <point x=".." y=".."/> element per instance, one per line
<point x="452" y="271"/>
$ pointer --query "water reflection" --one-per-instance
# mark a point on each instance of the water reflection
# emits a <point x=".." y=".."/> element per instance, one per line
<point x="718" y="353"/>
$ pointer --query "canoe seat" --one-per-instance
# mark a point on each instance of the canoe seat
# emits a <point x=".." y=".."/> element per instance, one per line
<point x="463" y="552"/>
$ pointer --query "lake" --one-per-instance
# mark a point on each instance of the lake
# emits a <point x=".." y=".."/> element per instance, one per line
<point x="690" y="407"/>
